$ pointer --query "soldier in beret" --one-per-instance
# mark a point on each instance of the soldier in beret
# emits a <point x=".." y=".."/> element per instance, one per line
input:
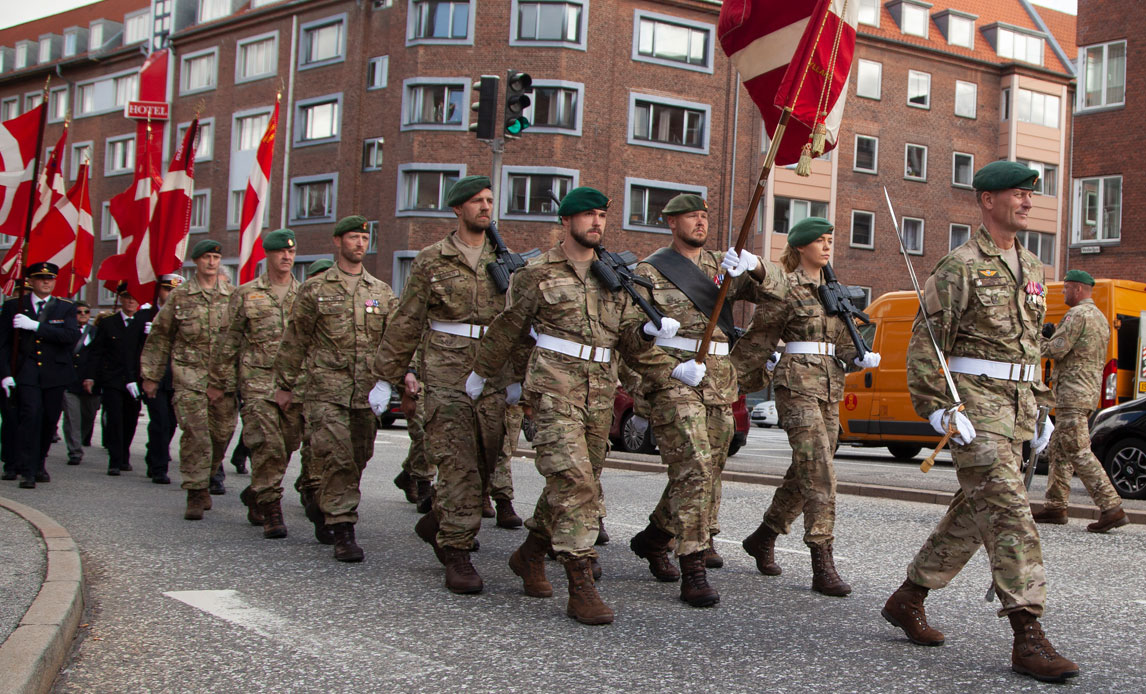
<point x="1078" y="347"/>
<point x="985" y="303"/>
<point x="188" y="330"/>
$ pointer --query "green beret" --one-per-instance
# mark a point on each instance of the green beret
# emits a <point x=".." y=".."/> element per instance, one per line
<point x="205" y="246"/>
<point x="352" y="223"/>
<point x="808" y="230"/>
<point x="580" y="199"/>
<point x="685" y="202"/>
<point x="1001" y="175"/>
<point x="1081" y="276"/>
<point x="278" y="240"/>
<point x="465" y="189"/>
<point x="319" y="266"/>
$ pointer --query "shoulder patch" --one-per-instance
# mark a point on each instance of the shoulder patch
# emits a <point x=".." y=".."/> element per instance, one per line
<point x="983" y="272"/>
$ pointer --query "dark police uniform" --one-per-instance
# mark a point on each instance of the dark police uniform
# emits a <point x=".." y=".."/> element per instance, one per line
<point x="115" y="364"/>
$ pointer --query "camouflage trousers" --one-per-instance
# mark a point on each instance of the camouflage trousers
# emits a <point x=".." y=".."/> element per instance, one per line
<point x="990" y="509"/>
<point x="342" y="441"/>
<point x="206" y="430"/>
<point x="499" y="484"/>
<point x="571" y="443"/>
<point x="1070" y="454"/>
<point x="462" y="437"/>
<point x="415" y="463"/>
<point x="809" y="485"/>
<point x="272" y="436"/>
<point x="309" y="479"/>
<point x="693" y="440"/>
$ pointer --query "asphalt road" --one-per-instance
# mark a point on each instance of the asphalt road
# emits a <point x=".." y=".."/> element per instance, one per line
<point x="210" y="606"/>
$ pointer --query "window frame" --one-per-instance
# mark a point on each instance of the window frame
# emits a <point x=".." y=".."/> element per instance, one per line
<point x="296" y="181"/>
<point x="709" y="29"/>
<point x="860" y="62"/>
<point x="110" y="79"/>
<point x="873" y="4"/>
<point x="367" y="143"/>
<point x="871" y="230"/>
<point x="404" y="169"/>
<point x="303" y="62"/>
<point x="411" y="16"/>
<point x="918" y="73"/>
<point x="384" y="62"/>
<point x="127" y="18"/>
<point x="413" y="82"/>
<point x="299" y="127"/>
<point x="1041" y="167"/>
<point x="53" y="93"/>
<point x="1082" y="83"/>
<point x="855" y="154"/>
<point x="954" y="167"/>
<point x="206" y="194"/>
<point x="906" y="149"/>
<point x="74" y="158"/>
<point x="631" y="181"/>
<point x="583" y="30"/>
<point x="1016" y="32"/>
<point x="267" y="111"/>
<point x="508" y="171"/>
<point x="951" y="234"/>
<point x="578" y="87"/>
<point x="922" y="237"/>
<point x="706" y="134"/>
<point x="187" y="58"/>
<point x="243" y="43"/>
<point x="1099" y="223"/>
<point x="920" y="13"/>
<point x="1044" y="96"/>
<point x="974" y="102"/>
<point x="208" y="123"/>
<point x="951" y="17"/>
<point x="107" y="158"/>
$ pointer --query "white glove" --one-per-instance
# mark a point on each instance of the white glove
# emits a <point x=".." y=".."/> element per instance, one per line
<point x="513" y="394"/>
<point x="147" y="328"/>
<point x="1042" y="438"/>
<point x="379" y="398"/>
<point x="669" y="326"/>
<point x="736" y="264"/>
<point x="22" y="322"/>
<point x="133" y="390"/>
<point x="772" y="361"/>
<point x="867" y="361"/>
<point x="965" y="431"/>
<point x="474" y="385"/>
<point x="689" y="372"/>
<point x="8" y="384"/>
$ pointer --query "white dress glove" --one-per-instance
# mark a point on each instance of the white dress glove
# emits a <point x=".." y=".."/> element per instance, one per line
<point x="147" y="328"/>
<point x="965" y="431"/>
<point x="1042" y="437"/>
<point x="668" y="328"/>
<point x="8" y="384"/>
<point x="736" y="264"/>
<point x="689" y="372"/>
<point x="474" y="385"/>
<point x="513" y="394"/>
<point x="379" y="398"/>
<point x="773" y="360"/>
<point x="133" y="390"/>
<point x="867" y="361"/>
<point x="22" y="322"/>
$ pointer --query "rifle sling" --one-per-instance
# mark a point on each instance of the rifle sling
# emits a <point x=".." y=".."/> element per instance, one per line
<point x="699" y="288"/>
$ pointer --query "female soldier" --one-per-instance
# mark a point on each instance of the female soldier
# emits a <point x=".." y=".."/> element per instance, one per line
<point x="809" y="383"/>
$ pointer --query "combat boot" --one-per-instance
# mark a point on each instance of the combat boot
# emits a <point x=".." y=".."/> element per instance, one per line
<point x="904" y="609"/>
<point x="761" y="546"/>
<point x="408" y="486"/>
<point x="602" y="536"/>
<point x="528" y="562"/>
<point x="585" y="604"/>
<point x="195" y="501"/>
<point x="461" y="576"/>
<point x="694" y="588"/>
<point x="254" y="515"/>
<point x="652" y="544"/>
<point x="1053" y="516"/>
<point x="314" y="514"/>
<point x="825" y="580"/>
<point x="712" y="560"/>
<point x="427" y="529"/>
<point x="1033" y="654"/>
<point x="274" y="527"/>
<point x="487" y="508"/>
<point x="1114" y="518"/>
<point x="345" y="548"/>
<point x="506" y="516"/>
<point x="425" y="496"/>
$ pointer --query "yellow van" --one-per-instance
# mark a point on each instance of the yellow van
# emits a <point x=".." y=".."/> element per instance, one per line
<point x="876" y="409"/>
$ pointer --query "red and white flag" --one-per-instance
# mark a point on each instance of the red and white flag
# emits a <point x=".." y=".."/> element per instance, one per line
<point x="64" y="237"/>
<point x="50" y="186"/>
<point x="793" y="54"/>
<point x="132" y="210"/>
<point x="18" y="141"/>
<point x="11" y="265"/>
<point x="255" y="202"/>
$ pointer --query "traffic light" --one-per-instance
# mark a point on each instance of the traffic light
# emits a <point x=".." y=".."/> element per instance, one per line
<point x="517" y="86"/>
<point x="485" y="107"/>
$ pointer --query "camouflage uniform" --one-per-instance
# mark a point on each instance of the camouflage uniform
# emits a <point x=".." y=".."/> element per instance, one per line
<point x="189" y="330"/>
<point x="1078" y="348"/>
<point x="336" y="321"/>
<point x="415" y="463"/>
<point x="244" y="363"/>
<point x="979" y="309"/>
<point x="809" y="388"/>
<point x="572" y="398"/>
<point x="501" y="481"/>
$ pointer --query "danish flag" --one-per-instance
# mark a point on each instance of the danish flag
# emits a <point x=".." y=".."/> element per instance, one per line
<point x="65" y="238"/>
<point x="254" y="202"/>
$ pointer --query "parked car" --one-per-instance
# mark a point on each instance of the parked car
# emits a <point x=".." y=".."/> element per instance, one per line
<point x="1118" y="440"/>
<point x="631" y="432"/>
<point x="765" y="415"/>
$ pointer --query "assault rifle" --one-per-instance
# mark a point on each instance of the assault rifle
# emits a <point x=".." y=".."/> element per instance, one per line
<point x="838" y="300"/>
<point x="612" y="270"/>
<point x="507" y="262"/>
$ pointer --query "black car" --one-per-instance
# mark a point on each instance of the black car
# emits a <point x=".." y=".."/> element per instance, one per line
<point x="1118" y="439"/>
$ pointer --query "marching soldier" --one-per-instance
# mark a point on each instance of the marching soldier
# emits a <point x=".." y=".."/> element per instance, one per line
<point x="160" y="408"/>
<point x="187" y="331"/>
<point x="113" y="371"/>
<point x="1078" y="347"/>
<point x="336" y="322"/>
<point x="309" y="480"/>
<point x="985" y="303"/>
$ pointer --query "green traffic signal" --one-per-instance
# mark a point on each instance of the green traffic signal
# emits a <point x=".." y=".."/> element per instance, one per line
<point x="518" y="85"/>
<point x="516" y="126"/>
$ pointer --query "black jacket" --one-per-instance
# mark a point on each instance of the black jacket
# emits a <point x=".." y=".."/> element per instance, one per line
<point x="81" y="357"/>
<point x="44" y="358"/>
<point x="115" y="353"/>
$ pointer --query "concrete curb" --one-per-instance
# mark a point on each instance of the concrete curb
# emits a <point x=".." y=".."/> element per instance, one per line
<point x="35" y="651"/>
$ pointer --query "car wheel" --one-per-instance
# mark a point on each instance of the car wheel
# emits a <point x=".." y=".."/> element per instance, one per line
<point x="734" y="447"/>
<point x="1126" y="464"/>
<point x="636" y="435"/>
<point x="904" y="452"/>
<point x="528" y="428"/>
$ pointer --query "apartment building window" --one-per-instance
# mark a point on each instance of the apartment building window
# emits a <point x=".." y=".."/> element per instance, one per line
<point x="126" y="89"/>
<point x="372" y="154"/>
<point x="314" y="198"/>
<point x="235" y="208"/>
<point x="434" y="104"/>
<point x="210" y="10"/>
<point x="135" y="27"/>
<point x="1037" y="108"/>
<point x="869" y="12"/>
<point x="668" y="123"/>
<point x="960" y="31"/>
<point x="960" y="234"/>
<point x="1102" y="79"/>
<point x="256" y="57"/>
<point x="530" y="190"/>
<point x="1047" y="182"/>
<point x="556" y="107"/>
<point x="119" y="155"/>
<point x="108" y="229"/>
<point x="866" y="154"/>
<point x="548" y="23"/>
<point x="205" y="148"/>
<point x="32" y="100"/>
<point x="47" y="46"/>
<point x="913" y="235"/>
<point x="318" y="120"/>
<point x="81" y="154"/>
<point x="869" y="79"/>
<point x="439" y="21"/>
<point x="863" y="229"/>
<point x="1019" y="46"/>
<point x="422" y="188"/>
<point x="71" y="43"/>
<point x="966" y="98"/>
<point x="200" y="211"/>
<point x="1041" y="245"/>
<point x="787" y="211"/>
<point x="248" y="130"/>
<point x="372" y="242"/>
<point x="914" y="19"/>
<point x="672" y="41"/>
<point x="1098" y="214"/>
<point x="915" y="162"/>
<point x="322" y="42"/>
<point x="1005" y="105"/>
<point x="23" y="54"/>
<point x="58" y="105"/>
<point x="962" y="169"/>
<point x="9" y="108"/>
<point x="377" y="72"/>
<point x="918" y="89"/>
<point x="645" y="201"/>
<point x="197" y="71"/>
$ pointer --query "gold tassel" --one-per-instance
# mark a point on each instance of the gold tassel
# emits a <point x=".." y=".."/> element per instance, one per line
<point x="804" y="168"/>
<point x="819" y="136"/>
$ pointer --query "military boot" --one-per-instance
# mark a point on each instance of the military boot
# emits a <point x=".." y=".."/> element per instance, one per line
<point x="408" y="486"/>
<point x="487" y="508"/>
<point x="254" y="515"/>
<point x="585" y="604"/>
<point x="427" y="529"/>
<point x="1033" y="654"/>
<point x="761" y="546"/>
<point x="602" y="536"/>
<point x="652" y="544"/>
<point x="712" y="560"/>
<point x="506" y="516"/>
<point x="1114" y="518"/>
<point x="528" y="562"/>
<point x="694" y="588"/>
<point x="314" y="514"/>
<point x="461" y="576"/>
<point x="825" y="580"/>
<point x="1053" y="516"/>
<point x="195" y="501"/>
<point x="274" y="527"/>
<point x="425" y="496"/>
<point x="345" y="548"/>
<point x="904" y="609"/>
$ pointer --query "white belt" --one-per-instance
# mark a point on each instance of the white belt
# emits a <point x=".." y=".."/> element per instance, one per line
<point x="1001" y="370"/>
<point x="574" y="349"/>
<point x="459" y="329"/>
<point x="810" y="348"/>
<point x="717" y="349"/>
